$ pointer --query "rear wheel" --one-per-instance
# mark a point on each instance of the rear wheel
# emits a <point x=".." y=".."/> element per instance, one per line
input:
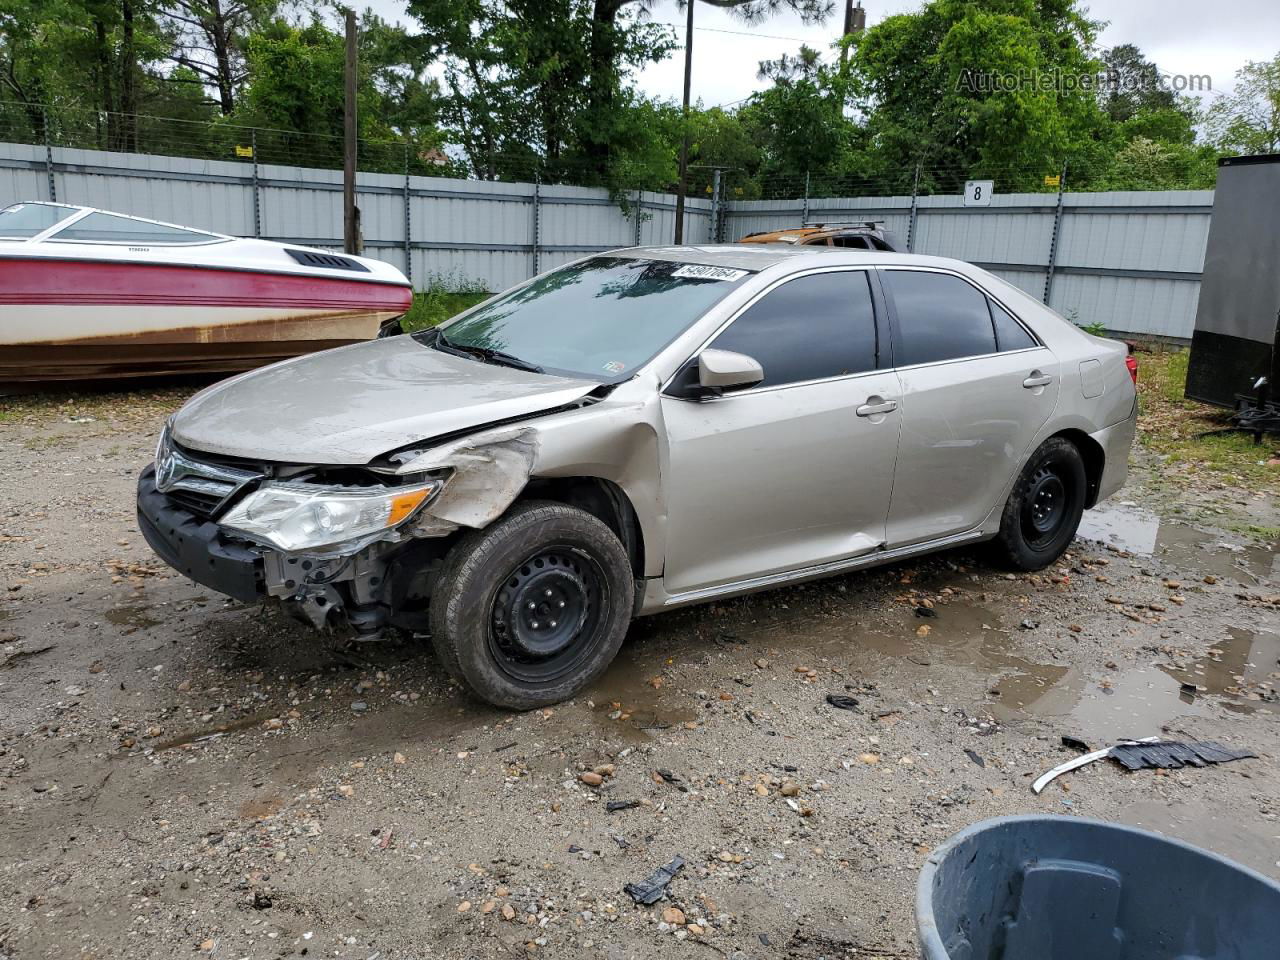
<point x="1044" y="508"/>
<point x="534" y="607"/>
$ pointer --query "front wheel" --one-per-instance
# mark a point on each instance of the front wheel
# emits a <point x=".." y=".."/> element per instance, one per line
<point x="1043" y="510"/>
<point x="533" y="608"/>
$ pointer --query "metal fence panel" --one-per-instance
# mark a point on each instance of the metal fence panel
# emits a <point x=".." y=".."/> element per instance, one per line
<point x="1129" y="260"/>
<point x="20" y="176"/>
<point x="1165" y="308"/>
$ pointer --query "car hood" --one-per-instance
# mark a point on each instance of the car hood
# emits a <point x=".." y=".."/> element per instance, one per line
<point x="349" y="405"/>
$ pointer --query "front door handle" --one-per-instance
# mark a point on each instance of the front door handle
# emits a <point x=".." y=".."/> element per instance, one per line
<point x="1037" y="379"/>
<point x="876" y="406"/>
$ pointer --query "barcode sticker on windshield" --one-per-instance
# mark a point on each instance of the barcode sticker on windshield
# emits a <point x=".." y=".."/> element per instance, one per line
<point x="699" y="271"/>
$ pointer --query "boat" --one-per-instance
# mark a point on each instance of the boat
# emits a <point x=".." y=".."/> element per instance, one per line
<point x="87" y="294"/>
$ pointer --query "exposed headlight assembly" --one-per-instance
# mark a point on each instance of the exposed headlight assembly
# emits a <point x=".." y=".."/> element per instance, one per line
<point x="304" y="516"/>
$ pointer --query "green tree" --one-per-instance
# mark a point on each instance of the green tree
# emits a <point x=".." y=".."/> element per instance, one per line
<point x="800" y="127"/>
<point x="516" y="78"/>
<point x="612" y="25"/>
<point x="1132" y="84"/>
<point x="295" y="95"/>
<point x="1247" y="120"/>
<point x="987" y="89"/>
<point x="209" y="39"/>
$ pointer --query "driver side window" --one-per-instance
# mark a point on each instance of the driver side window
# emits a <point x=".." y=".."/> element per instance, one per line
<point x="811" y="328"/>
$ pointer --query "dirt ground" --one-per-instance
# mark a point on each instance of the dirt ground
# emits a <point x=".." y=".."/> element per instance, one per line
<point x="184" y="776"/>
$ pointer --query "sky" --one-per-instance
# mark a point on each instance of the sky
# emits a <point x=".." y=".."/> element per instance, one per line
<point x="1181" y="36"/>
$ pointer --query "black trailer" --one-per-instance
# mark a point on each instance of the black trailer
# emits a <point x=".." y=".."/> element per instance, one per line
<point x="1238" y="319"/>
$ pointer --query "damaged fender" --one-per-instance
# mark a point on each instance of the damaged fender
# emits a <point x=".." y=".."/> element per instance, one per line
<point x="614" y="439"/>
<point x="487" y="473"/>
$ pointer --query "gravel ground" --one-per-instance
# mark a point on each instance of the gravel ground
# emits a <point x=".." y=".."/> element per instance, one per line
<point x="184" y="776"/>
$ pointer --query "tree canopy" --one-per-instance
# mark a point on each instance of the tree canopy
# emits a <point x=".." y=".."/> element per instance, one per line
<point x="1010" y="90"/>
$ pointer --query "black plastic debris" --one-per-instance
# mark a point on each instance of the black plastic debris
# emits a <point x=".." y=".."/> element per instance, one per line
<point x="672" y="779"/>
<point x="1075" y="743"/>
<point x="841" y="702"/>
<point x="975" y="758"/>
<point x="1148" y="752"/>
<point x="926" y="612"/>
<point x="1172" y="755"/>
<point x="651" y="889"/>
<point x="613" y="806"/>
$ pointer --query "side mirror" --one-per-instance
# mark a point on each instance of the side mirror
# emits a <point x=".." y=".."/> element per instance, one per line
<point x="725" y="370"/>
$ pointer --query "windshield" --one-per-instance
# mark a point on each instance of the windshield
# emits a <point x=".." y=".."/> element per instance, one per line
<point x="22" y="221"/>
<point x="601" y="318"/>
<point x="99" y="227"/>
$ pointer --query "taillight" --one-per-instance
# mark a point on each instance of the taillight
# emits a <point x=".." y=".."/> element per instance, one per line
<point x="1132" y="363"/>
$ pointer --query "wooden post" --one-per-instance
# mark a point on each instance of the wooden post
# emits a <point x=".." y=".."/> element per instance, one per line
<point x="683" y="186"/>
<point x="350" y="215"/>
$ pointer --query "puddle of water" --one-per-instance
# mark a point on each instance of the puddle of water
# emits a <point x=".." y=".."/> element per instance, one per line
<point x="1241" y="672"/>
<point x="1128" y="527"/>
<point x="627" y="691"/>
<point x="1125" y="704"/>
<point x="133" y="616"/>
<point x="1243" y="668"/>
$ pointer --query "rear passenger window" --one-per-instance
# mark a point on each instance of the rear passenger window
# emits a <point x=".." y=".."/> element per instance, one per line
<point x="1010" y="334"/>
<point x="809" y="328"/>
<point x="940" y="317"/>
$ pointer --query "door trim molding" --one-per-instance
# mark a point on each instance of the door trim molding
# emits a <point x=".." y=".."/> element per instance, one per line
<point x="873" y="558"/>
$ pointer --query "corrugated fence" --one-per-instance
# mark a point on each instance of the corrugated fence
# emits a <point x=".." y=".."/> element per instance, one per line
<point x="1130" y="261"/>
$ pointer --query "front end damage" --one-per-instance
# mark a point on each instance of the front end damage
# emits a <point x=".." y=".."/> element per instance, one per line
<point x="197" y="514"/>
<point x="388" y="581"/>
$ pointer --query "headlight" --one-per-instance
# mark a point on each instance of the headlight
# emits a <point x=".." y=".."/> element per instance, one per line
<point x="301" y="516"/>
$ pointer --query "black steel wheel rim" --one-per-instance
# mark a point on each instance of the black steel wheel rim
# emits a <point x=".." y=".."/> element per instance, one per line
<point x="1045" y="506"/>
<point x="545" y="615"/>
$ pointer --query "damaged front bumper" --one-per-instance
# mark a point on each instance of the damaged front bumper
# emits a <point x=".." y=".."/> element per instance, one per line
<point x="359" y="585"/>
<point x="196" y="547"/>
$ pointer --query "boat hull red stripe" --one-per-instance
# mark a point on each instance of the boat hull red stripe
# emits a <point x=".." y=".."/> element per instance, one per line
<point x="37" y="281"/>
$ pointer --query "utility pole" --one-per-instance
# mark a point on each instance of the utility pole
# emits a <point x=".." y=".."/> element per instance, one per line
<point x="855" y="21"/>
<point x="684" y="142"/>
<point x="350" y="212"/>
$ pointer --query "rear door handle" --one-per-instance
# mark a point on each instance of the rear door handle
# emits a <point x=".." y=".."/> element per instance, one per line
<point x="1037" y="379"/>
<point x="876" y="406"/>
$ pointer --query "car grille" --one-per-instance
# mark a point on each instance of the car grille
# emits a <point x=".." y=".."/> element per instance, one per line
<point x="201" y="486"/>
<point x="201" y="504"/>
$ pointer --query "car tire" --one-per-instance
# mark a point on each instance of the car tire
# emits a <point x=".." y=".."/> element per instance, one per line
<point x="533" y="608"/>
<point x="1044" y="508"/>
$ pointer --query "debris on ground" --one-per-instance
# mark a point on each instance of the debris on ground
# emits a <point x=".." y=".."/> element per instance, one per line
<point x="841" y="702"/>
<point x="1149" y="753"/>
<point x="650" y="890"/>
<point x="1174" y="755"/>
<point x="1076" y="763"/>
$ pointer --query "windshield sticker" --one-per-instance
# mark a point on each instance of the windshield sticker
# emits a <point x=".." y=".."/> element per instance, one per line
<point x="614" y="366"/>
<point x="698" y="271"/>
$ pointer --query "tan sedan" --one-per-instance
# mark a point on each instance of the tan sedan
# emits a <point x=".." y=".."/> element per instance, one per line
<point x="636" y="431"/>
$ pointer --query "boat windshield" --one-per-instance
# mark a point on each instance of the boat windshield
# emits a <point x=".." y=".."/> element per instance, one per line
<point x="99" y="227"/>
<point x="22" y="221"/>
<point x="600" y="318"/>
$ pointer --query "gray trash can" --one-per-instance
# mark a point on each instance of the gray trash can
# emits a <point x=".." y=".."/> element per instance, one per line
<point x="1067" y="888"/>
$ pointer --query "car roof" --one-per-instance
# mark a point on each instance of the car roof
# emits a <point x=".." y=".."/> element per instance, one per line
<point x="760" y="256"/>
